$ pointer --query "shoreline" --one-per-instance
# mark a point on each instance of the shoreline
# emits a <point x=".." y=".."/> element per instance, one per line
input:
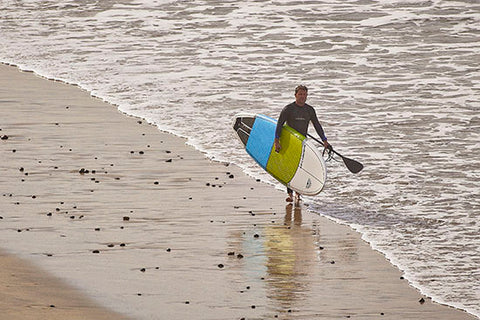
<point x="179" y="217"/>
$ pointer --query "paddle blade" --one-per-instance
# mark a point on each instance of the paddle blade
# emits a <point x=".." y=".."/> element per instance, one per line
<point x="352" y="165"/>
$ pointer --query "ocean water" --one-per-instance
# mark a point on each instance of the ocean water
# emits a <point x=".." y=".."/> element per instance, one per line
<point x="396" y="85"/>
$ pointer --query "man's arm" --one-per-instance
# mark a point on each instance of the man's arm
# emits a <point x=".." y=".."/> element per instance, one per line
<point x="319" y="129"/>
<point x="278" y="130"/>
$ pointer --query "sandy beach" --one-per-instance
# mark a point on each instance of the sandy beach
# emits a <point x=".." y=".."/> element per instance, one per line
<point x="102" y="214"/>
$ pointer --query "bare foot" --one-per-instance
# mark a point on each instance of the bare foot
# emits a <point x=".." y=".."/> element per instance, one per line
<point x="297" y="198"/>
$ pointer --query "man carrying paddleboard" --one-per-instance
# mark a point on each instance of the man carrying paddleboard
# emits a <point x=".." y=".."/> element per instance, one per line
<point x="298" y="115"/>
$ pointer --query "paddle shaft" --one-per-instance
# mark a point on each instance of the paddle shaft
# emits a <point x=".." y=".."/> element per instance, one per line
<point x="321" y="142"/>
<point x="352" y="165"/>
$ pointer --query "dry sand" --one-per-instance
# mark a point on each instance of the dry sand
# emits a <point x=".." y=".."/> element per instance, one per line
<point x="160" y="232"/>
<point x="27" y="293"/>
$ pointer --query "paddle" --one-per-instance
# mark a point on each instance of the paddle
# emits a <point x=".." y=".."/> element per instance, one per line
<point x="352" y="165"/>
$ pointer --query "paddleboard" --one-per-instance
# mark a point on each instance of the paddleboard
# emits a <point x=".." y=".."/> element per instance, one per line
<point x="299" y="164"/>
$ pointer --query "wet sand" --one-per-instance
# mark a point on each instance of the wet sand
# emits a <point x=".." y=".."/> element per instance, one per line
<point x="132" y="219"/>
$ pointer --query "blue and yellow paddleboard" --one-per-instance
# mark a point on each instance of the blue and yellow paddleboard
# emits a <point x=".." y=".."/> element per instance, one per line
<point x="299" y="165"/>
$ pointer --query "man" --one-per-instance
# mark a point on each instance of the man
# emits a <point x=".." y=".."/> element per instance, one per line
<point x="298" y="115"/>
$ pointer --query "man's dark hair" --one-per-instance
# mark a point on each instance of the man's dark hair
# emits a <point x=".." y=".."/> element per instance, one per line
<point x="301" y="87"/>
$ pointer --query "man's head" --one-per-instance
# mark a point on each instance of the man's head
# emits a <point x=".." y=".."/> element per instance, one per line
<point x="301" y="95"/>
<point x="301" y="87"/>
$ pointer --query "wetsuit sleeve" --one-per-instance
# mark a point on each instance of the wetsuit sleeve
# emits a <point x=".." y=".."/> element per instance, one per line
<point x="280" y="122"/>
<point x="317" y="125"/>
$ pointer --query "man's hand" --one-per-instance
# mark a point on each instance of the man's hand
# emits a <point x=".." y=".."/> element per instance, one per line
<point x="327" y="145"/>
<point x="277" y="145"/>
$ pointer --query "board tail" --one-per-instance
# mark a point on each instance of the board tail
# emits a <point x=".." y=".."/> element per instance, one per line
<point x="241" y="126"/>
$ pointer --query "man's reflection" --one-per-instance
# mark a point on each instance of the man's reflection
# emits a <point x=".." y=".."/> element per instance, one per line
<point x="290" y="251"/>
<point x="283" y="260"/>
<point x="297" y="218"/>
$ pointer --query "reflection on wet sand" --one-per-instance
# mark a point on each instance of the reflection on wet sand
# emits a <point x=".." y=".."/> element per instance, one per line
<point x="298" y="267"/>
<point x="290" y="255"/>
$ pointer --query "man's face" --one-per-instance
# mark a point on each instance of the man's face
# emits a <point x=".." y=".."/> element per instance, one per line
<point x="301" y="97"/>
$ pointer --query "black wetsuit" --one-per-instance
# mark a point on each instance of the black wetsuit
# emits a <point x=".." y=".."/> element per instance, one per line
<point x="298" y="118"/>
